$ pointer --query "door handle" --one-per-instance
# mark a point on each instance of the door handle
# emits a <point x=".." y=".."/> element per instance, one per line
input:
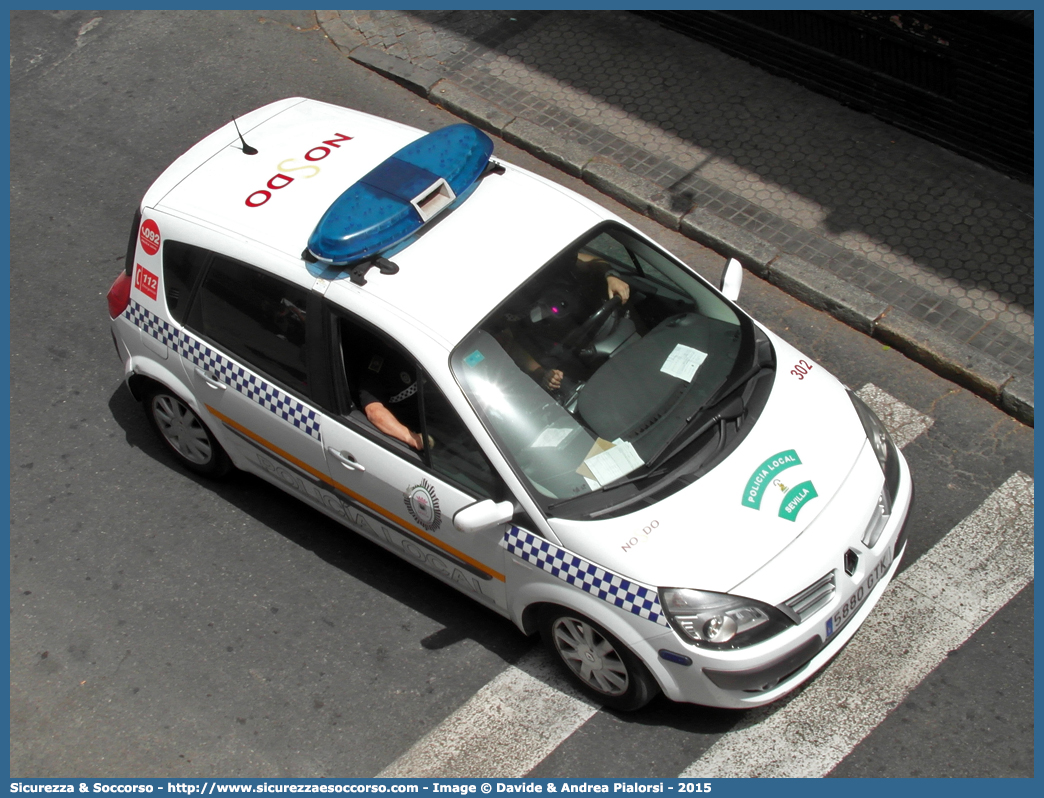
<point x="210" y="380"/>
<point x="347" y="460"/>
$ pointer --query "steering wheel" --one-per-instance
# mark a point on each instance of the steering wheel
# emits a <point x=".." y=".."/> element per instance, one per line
<point x="587" y="331"/>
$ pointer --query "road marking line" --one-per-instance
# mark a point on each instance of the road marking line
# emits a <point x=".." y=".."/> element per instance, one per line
<point x="509" y="726"/>
<point x="903" y="422"/>
<point x="503" y="731"/>
<point x="929" y="610"/>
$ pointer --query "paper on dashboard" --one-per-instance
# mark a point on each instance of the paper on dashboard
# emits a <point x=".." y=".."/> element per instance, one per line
<point x="608" y="462"/>
<point x="683" y="362"/>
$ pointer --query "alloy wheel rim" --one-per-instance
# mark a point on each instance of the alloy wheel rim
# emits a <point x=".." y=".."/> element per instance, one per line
<point x="182" y="429"/>
<point x="590" y="656"/>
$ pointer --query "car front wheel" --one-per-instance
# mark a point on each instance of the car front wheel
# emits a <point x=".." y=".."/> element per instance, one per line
<point x="185" y="434"/>
<point x="604" y="669"/>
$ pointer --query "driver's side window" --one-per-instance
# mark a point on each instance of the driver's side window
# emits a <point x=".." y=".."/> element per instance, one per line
<point x="455" y="454"/>
<point x="378" y="370"/>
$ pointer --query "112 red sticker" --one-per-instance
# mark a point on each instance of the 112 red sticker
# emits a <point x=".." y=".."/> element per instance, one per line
<point x="146" y="282"/>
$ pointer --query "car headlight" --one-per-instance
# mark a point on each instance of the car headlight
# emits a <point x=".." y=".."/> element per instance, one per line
<point x="888" y="456"/>
<point x="718" y="620"/>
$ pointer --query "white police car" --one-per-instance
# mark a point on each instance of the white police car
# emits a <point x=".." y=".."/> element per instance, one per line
<point x="513" y="389"/>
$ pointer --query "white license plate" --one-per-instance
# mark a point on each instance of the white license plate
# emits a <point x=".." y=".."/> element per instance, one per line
<point x="847" y="611"/>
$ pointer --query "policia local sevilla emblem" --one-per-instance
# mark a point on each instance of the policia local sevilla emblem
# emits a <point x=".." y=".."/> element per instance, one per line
<point x="767" y="474"/>
<point x="423" y="505"/>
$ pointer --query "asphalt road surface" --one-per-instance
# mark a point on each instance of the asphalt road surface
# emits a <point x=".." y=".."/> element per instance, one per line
<point x="164" y="626"/>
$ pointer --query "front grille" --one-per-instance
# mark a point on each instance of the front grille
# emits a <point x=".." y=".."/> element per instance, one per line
<point x="808" y="601"/>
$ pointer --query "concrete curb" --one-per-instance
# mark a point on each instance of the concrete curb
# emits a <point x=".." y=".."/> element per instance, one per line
<point x="345" y="38"/>
<point x="447" y="94"/>
<point x="723" y="236"/>
<point x="569" y="156"/>
<point x="635" y="192"/>
<point x="811" y="284"/>
<point x="826" y="291"/>
<point x="1017" y="398"/>
<point x="412" y="77"/>
<point x="948" y="358"/>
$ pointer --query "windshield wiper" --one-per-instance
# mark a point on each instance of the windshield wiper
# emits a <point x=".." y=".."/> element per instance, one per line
<point x="727" y="411"/>
<point x="609" y="486"/>
<point x="763" y="357"/>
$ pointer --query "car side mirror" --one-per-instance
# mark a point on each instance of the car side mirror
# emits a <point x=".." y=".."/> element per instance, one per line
<point x="482" y="515"/>
<point x="732" y="279"/>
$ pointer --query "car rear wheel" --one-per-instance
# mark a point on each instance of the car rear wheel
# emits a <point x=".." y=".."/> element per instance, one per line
<point x="185" y="434"/>
<point x="602" y="666"/>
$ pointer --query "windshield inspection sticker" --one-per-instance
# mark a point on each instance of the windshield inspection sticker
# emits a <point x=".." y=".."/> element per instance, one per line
<point x="474" y="358"/>
<point x="683" y="362"/>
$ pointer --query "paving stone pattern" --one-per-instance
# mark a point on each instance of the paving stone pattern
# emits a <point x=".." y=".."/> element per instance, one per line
<point x="924" y="230"/>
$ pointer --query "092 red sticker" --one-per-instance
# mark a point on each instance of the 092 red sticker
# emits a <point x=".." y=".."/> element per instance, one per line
<point x="150" y="237"/>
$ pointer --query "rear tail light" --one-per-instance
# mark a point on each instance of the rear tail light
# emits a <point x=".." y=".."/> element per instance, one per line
<point x="119" y="295"/>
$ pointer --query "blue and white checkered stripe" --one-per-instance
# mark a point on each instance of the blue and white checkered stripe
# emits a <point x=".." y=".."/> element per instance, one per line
<point x="223" y="369"/>
<point x="627" y="595"/>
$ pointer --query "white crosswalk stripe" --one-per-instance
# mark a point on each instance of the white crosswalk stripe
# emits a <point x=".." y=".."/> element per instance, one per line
<point x="504" y="731"/>
<point x="524" y="714"/>
<point x="904" y="423"/>
<point x="928" y="610"/>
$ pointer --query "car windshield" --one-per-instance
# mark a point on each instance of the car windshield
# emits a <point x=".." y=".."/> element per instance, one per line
<point x="599" y="362"/>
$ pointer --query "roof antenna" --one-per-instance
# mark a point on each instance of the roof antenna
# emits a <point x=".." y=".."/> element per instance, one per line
<point x="247" y="149"/>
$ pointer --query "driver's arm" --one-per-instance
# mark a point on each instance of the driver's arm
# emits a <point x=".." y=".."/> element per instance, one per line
<point x="550" y="379"/>
<point x="385" y="420"/>
<point x="616" y="286"/>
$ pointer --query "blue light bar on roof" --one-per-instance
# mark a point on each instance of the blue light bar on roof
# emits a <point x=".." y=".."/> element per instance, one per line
<point x="398" y="197"/>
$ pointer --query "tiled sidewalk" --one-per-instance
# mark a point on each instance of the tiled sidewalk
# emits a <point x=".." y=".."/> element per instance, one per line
<point x="898" y="237"/>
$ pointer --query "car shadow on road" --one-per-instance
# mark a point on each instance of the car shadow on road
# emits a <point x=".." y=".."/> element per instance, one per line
<point x="342" y="548"/>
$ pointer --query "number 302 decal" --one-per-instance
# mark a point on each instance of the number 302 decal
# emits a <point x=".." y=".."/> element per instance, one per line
<point x="801" y="369"/>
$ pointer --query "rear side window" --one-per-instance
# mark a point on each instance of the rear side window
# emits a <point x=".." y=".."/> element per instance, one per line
<point x="182" y="265"/>
<point x="132" y="244"/>
<point x="255" y="316"/>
